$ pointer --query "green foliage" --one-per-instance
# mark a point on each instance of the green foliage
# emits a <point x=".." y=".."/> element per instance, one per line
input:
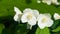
<point x="57" y="29"/>
<point x="16" y="29"/>
<point x="56" y="23"/>
<point x="42" y="31"/>
<point x="6" y="7"/>
<point x="22" y="29"/>
<point x="1" y="27"/>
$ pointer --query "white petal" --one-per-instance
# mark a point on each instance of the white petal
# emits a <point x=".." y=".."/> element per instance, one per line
<point x="56" y="16"/>
<point x="17" y="10"/>
<point x="24" y="18"/>
<point x="17" y="17"/>
<point x="44" y="15"/>
<point x="32" y="21"/>
<point x="55" y="2"/>
<point x="39" y="17"/>
<point x="48" y="15"/>
<point x="49" y="23"/>
<point x="41" y="25"/>
<point x="36" y="13"/>
<point x="28" y="10"/>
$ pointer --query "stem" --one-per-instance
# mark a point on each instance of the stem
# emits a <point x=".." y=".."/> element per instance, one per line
<point x="29" y="26"/>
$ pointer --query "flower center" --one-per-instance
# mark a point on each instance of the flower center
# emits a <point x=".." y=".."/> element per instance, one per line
<point x="44" y="20"/>
<point x="29" y="16"/>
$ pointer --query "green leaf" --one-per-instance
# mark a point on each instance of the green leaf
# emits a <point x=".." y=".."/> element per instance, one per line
<point x="57" y="29"/>
<point x="1" y="27"/>
<point x="56" y="22"/>
<point x="22" y="29"/>
<point x="42" y="31"/>
<point x="16" y="29"/>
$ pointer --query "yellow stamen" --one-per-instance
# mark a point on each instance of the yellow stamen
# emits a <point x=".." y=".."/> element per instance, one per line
<point x="29" y="16"/>
<point x="44" y="20"/>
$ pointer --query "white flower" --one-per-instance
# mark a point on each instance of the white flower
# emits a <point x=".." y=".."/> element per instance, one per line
<point x="56" y="16"/>
<point x="47" y="1"/>
<point x="38" y="1"/>
<point x="51" y="1"/>
<point x="44" y="20"/>
<point x="18" y="14"/>
<point x="29" y="16"/>
<point x="55" y="2"/>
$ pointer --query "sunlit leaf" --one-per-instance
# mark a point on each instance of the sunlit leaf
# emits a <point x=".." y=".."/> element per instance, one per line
<point x="57" y="29"/>
<point x="56" y="23"/>
<point x="42" y="31"/>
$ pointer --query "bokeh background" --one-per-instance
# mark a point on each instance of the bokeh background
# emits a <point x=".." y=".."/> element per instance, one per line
<point x="9" y="26"/>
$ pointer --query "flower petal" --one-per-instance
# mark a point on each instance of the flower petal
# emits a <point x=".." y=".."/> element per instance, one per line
<point x="56" y="16"/>
<point x="17" y="18"/>
<point x="55" y="2"/>
<point x="32" y="21"/>
<point x="48" y="15"/>
<point x="49" y="23"/>
<point x="44" y="15"/>
<point x="24" y="18"/>
<point x="17" y="10"/>
<point x="36" y="13"/>
<point x="41" y="25"/>
<point x="49" y="3"/>
<point x="18" y="14"/>
<point x="28" y="10"/>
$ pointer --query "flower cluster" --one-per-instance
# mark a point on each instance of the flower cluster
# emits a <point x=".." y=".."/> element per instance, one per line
<point x="32" y="17"/>
<point x="49" y="2"/>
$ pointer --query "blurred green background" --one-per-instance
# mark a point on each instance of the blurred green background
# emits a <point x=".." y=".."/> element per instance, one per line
<point x="9" y="26"/>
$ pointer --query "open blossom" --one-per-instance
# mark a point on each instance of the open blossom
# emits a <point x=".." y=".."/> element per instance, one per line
<point x="44" y="20"/>
<point x="51" y="1"/>
<point x="18" y="14"/>
<point x="56" y="16"/>
<point x="30" y="16"/>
